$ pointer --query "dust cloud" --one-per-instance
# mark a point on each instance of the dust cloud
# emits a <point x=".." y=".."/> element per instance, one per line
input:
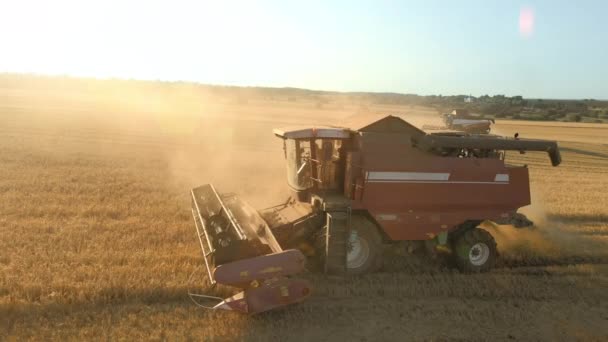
<point x="423" y="118"/>
<point x="194" y="134"/>
<point x="256" y="173"/>
<point x="218" y="143"/>
<point x="548" y="240"/>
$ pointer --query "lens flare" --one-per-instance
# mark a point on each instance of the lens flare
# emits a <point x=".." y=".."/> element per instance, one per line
<point x="526" y="22"/>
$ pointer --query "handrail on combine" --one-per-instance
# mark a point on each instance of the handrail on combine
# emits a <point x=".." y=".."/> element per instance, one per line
<point x="197" y="218"/>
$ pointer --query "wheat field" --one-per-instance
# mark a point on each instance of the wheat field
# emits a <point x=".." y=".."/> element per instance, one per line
<point x="97" y="241"/>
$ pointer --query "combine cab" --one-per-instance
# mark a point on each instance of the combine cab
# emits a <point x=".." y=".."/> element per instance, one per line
<point x="357" y="189"/>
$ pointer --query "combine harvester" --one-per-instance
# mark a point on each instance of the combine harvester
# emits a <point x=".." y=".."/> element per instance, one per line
<point x="461" y="120"/>
<point x="355" y="190"/>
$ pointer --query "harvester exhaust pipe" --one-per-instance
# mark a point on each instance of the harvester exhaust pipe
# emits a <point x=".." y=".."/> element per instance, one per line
<point x="239" y="250"/>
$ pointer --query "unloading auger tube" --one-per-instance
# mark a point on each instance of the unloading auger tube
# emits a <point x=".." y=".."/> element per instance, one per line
<point x="239" y="250"/>
<point x="431" y="141"/>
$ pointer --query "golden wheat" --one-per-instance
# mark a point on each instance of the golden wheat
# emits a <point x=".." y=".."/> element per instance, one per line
<point x="97" y="239"/>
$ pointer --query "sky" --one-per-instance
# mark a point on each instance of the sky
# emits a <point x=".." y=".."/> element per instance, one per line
<point x="548" y="49"/>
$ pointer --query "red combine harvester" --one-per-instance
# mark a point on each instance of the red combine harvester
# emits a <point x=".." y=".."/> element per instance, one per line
<point x="461" y="120"/>
<point x="357" y="189"/>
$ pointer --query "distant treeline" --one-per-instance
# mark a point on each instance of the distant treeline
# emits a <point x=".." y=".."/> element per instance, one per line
<point x="519" y="108"/>
<point x="496" y="106"/>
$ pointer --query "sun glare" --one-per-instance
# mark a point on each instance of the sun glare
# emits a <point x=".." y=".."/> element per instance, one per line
<point x="213" y="40"/>
<point x="526" y="22"/>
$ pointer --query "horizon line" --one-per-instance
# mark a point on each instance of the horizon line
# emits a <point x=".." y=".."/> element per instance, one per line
<point x="193" y="82"/>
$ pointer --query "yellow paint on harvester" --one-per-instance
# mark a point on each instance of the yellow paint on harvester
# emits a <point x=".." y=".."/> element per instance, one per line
<point x="244" y="274"/>
<point x="271" y="269"/>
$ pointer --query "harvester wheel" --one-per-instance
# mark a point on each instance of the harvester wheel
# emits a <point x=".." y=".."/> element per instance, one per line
<point x="364" y="247"/>
<point x="474" y="251"/>
<point x="356" y="252"/>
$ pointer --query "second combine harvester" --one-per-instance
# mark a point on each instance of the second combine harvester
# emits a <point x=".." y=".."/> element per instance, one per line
<point x="356" y="190"/>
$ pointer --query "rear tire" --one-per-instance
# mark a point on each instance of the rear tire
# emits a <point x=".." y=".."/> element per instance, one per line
<point x="474" y="251"/>
<point x="364" y="247"/>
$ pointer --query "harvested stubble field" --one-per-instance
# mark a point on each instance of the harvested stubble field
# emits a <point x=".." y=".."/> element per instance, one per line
<point x="97" y="239"/>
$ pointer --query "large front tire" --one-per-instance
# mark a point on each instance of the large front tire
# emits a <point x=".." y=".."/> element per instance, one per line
<point x="364" y="247"/>
<point x="475" y="251"/>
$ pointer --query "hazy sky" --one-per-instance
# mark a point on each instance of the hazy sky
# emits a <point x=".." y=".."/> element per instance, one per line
<point x="554" y="49"/>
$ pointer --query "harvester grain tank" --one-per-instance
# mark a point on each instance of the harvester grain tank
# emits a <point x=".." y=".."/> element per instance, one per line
<point x="357" y="189"/>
